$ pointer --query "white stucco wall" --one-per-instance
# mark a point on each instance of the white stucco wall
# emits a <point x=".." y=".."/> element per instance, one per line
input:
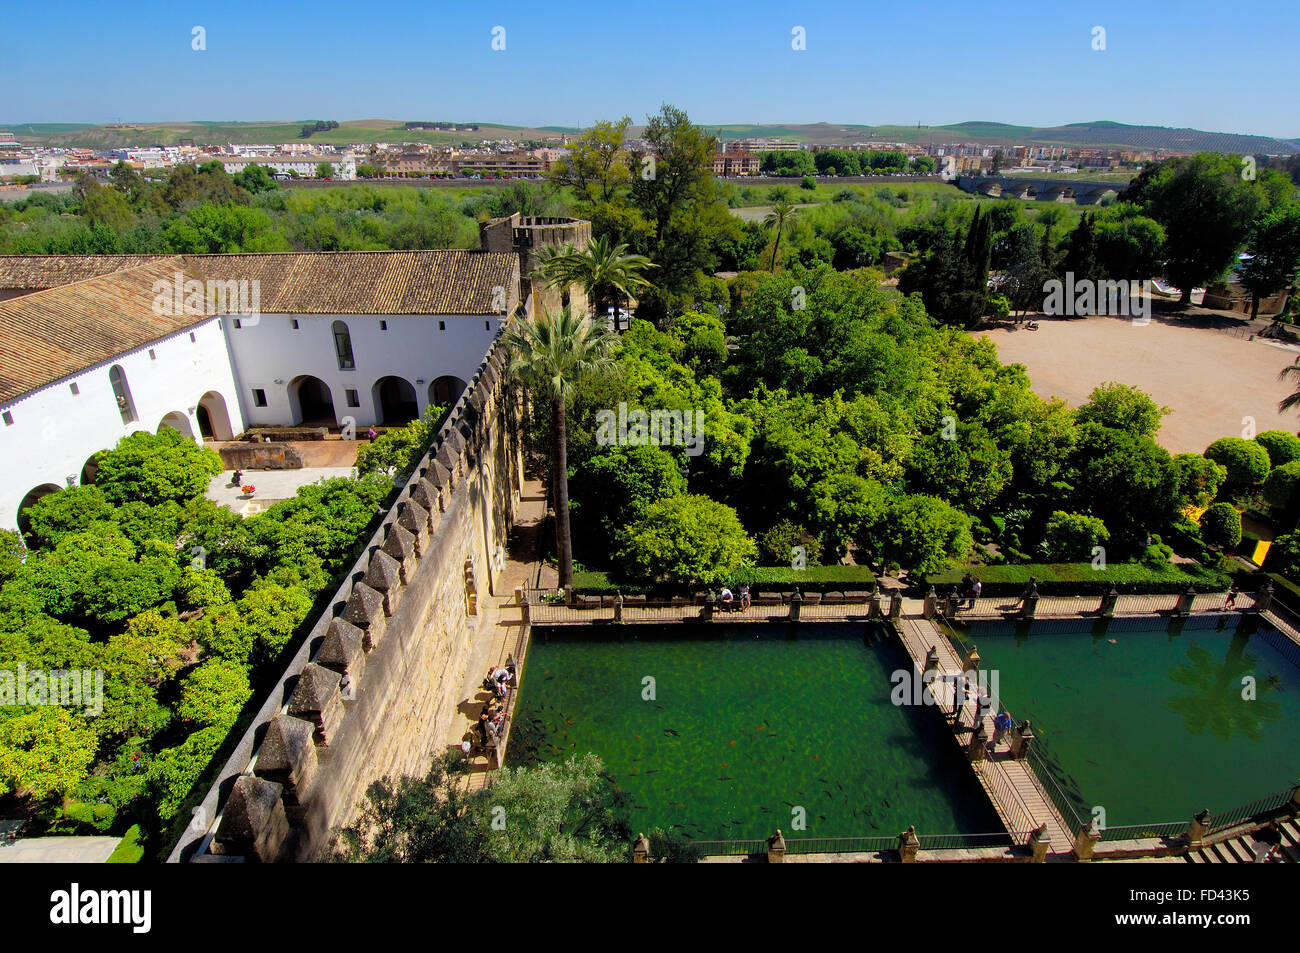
<point x="270" y="354"/>
<point x="55" y="432"/>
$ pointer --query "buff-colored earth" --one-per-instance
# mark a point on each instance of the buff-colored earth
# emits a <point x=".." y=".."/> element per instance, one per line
<point x="1209" y="379"/>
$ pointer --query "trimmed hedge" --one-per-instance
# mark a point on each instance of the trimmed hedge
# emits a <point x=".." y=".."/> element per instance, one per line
<point x="812" y="579"/>
<point x="1082" y="579"/>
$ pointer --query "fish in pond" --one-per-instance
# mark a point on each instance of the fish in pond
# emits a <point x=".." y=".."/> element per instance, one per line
<point x="724" y="778"/>
<point x="788" y="803"/>
<point x="821" y="817"/>
<point x="661" y="707"/>
<point x="673" y="732"/>
<point x="651" y="770"/>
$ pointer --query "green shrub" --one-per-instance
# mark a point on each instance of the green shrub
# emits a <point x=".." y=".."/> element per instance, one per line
<point x="1246" y="462"/>
<point x="1082" y="578"/>
<point x="1221" y="526"/>
<point x="1282" y="447"/>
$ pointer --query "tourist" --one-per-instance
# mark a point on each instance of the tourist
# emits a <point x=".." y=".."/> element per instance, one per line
<point x="237" y="478"/>
<point x="1001" y="725"/>
<point x="501" y="680"/>
<point x="1267" y="841"/>
<point x="744" y="597"/>
<point x="484" y="717"/>
<point x="975" y="589"/>
<point x="1231" y="603"/>
<point x="370" y="434"/>
<point x="960" y="694"/>
<point x="727" y="599"/>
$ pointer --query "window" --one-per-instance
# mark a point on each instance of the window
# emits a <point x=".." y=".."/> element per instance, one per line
<point x="353" y="399"/>
<point x="294" y="322"/>
<point x="75" y="389"/>
<point x="9" y="419"/>
<point x="152" y="355"/>
<point x="192" y="337"/>
<point x="259" y="397"/>
<point x="343" y="347"/>
<point x="487" y="325"/>
<point x="442" y="325"/>
<point x="383" y="325"/>
<point x="122" y="394"/>
<point x="238" y="323"/>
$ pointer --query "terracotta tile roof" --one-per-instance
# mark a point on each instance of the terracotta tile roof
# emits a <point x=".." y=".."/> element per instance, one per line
<point x="35" y="272"/>
<point x="48" y="335"/>
<point x="79" y="322"/>
<point x="456" y="281"/>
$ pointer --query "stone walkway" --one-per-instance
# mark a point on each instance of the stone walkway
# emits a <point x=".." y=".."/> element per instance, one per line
<point x="59" y="850"/>
<point x="504" y="618"/>
<point x="272" y="486"/>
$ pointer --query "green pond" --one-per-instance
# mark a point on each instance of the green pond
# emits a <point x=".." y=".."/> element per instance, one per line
<point x="1146" y="718"/>
<point x="746" y="724"/>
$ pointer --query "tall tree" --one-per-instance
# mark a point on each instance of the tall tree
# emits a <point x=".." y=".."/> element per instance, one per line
<point x="1274" y="255"/>
<point x="607" y="272"/>
<point x="552" y="355"/>
<point x="781" y="213"/>
<point x="1206" y="209"/>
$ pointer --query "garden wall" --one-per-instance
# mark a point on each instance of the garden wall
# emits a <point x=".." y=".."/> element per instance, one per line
<point x="374" y="685"/>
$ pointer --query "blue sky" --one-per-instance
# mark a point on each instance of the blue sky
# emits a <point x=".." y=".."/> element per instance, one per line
<point x="1214" y="66"/>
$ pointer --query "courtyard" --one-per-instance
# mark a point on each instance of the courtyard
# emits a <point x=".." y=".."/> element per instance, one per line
<point x="1210" y="379"/>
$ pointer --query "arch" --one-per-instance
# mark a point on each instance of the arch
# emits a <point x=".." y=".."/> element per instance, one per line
<point x="445" y="391"/>
<point x="395" y="401"/>
<point x="311" y="402"/>
<point x="213" y="417"/>
<point x="343" y="346"/>
<point x="178" y="421"/>
<point x="33" y="496"/>
<point x="122" y="394"/>
<point x="90" y="469"/>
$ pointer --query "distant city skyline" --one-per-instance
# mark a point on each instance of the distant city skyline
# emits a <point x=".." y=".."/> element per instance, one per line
<point x="1169" y="64"/>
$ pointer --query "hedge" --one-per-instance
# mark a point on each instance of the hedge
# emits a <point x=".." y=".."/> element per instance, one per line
<point x="1082" y="579"/>
<point x="812" y="579"/>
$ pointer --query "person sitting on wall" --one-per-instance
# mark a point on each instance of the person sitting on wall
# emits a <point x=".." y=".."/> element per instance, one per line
<point x="727" y="599"/>
<point x="744" y="597"/>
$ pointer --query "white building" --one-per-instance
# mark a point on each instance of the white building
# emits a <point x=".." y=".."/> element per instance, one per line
<point x="344" y="167"/>
<point x="94" y="348"/>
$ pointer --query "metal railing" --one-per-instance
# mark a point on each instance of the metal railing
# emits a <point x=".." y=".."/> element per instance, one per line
<point x="973" y="841"/>
<point x="1162" y="830"/>
<point x="1269" y="804"/>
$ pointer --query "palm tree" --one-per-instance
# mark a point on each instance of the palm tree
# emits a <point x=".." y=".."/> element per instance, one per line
<point x="607" y="272"/>
<point x="1293" y="400"/>
<point x="551" y="356"/>
<point x="781" y="213"/>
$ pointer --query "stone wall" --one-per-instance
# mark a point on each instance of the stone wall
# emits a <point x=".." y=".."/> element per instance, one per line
<point x="372" y="690"/>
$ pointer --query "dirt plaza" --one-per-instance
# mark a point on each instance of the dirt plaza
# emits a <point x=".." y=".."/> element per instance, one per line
<point x="1211" y="380"/>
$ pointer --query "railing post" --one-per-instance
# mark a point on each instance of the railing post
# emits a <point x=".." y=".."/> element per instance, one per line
<point x="618" y="607"/>
<point x="568" y="596"/>
<point x="931" y="607"/>
<point x="951" y="603"/>
<point x="978" y="739"/>
<point x="776" y="848"/>
<point x="1264" y="598"/>
<point x="1022" y="740"/>
<point x="1031" y="605"/>
<point x="1039" y="843"/>
<point x="908" y="845"/>
<point x="796" y="603"/>
<point x="1085" y="842"/>
<point x="970" y="662"/>
<point x="1108" y="603"/>
<point x="896" y="604"/>
<point x="1199" y="827"/>
<point x="641" y="850"/>
<point x="876" y="610"/>
<point x="1295" y="800"/>
<point x="1184" y="605"/>
<point x="706" y="613"/>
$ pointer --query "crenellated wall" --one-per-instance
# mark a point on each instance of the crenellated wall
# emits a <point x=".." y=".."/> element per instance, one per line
<point x="373" y="688"/>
